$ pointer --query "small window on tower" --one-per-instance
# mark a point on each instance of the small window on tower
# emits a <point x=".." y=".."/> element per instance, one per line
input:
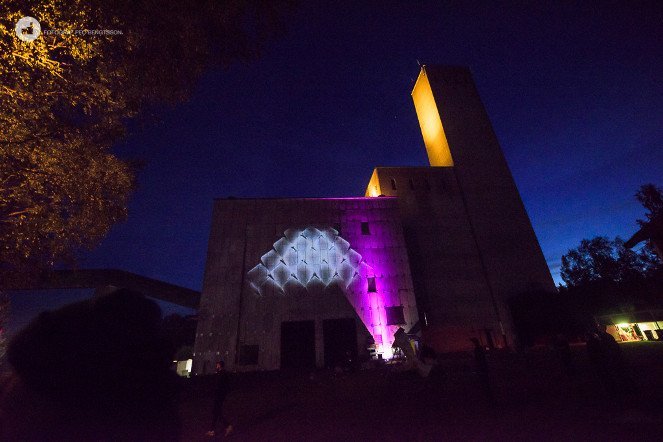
<point x="365" y="230"/>
<point x="393" y="184"/>
<point x="371" y="284"/>
<point x="395" y="315"/>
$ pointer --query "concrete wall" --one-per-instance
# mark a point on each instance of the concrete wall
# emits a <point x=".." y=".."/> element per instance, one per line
<point x="470" y="242"/>
<point x="507" y="240"/>
<point x="509" y="248"/>
<point x="234" y="313"/>
<point x="451" y="287"/>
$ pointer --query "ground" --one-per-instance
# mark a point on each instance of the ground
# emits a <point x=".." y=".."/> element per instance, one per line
<point x="536" y="400"/>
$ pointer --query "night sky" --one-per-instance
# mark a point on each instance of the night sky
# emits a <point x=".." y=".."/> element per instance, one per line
<point x="574" y="95"/>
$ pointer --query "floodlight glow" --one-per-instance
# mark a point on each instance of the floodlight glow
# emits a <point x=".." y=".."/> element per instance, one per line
<point x="309" y="256"/>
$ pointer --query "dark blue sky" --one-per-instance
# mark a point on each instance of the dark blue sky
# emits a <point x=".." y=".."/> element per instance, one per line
<point x="574" y="94"/>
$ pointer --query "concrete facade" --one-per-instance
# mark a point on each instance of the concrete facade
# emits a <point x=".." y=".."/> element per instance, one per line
<point x="443" y="246"/>
<point x="254" y="238"/>
<point x="470" y="241"/>
<point x="451" y="287"/>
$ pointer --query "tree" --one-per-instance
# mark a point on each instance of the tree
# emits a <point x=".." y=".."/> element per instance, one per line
<point x="4" y="316"/>
<point x="600" y="259"/>
<point x="66" y="98"/>
<point x="57" y="198"/>
<point x="651" y="197"/>
<point x="67" y="82"/>
<point x="180" y="332"/>
<point x="651" y="229"/>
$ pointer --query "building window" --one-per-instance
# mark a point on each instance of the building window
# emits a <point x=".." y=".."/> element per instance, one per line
<point x="395" y="315"/>
<point x="411" y="183"/>
<point x="393" y="184"/>
<point x="248" y="354"/>
<point x="371" y="284"/>
<point x="365" y="230"/>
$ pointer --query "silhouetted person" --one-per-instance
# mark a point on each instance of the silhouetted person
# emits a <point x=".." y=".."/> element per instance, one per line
<point x="222" y="388"/>
<point x="610" y="347"/>
<point x="616" y="375"/>
<point x="606" y="357"/>
<point x="93" y="370"/>
<point x="594" y="349"/>
<point x="564" y="354"/>
<point x="349" y="362"/>
<point x="482" y="371"/>
<point x="427" y="355"/>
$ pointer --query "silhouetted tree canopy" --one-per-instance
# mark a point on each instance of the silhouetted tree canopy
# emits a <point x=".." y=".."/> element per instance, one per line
<point x="600" y="259"/>
<point x="180" y="331"/>
<point x="651" y="197"/>
<point x="93" y="370"/>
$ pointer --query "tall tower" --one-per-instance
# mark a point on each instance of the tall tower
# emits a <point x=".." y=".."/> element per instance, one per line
<point x="470" y="242"/>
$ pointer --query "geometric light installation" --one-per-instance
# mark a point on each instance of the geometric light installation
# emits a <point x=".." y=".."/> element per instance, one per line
<point x="312" y="256"/>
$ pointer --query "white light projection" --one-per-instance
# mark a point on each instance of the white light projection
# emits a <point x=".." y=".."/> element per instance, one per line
<point x="305" y="257"/>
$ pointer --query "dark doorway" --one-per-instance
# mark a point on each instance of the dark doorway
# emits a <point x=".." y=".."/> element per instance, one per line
<point x="298" y="344"/>
<point x="340" y="337"/>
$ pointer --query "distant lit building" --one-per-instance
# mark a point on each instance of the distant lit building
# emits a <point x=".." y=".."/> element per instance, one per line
<point x="633" y="326"/>
<point x="304" y="282"/>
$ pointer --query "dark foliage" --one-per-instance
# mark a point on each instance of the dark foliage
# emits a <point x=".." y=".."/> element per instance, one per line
<point x="600" y="259"/>
<point x="93" y="370"/>
<point x="181" y="333"/>
<point x="66" y="99"/>
<point x="651" y="197"/>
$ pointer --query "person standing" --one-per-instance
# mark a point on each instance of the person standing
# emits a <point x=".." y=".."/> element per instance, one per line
<point x="482" y="371"/>
<point x="221" y="391"/>
<point x="563" y="350"/>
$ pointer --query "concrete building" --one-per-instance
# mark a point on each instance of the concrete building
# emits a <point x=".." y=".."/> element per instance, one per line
<point x="439" y="249"/>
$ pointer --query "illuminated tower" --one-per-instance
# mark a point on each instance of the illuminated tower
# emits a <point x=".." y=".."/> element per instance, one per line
<point x="470" y="242"/>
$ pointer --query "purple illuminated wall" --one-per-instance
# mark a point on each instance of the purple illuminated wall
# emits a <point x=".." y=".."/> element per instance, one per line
<point x="393" y="288"/>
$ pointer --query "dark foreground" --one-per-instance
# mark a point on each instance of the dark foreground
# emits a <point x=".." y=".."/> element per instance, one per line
<point x="536" y="401"/>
